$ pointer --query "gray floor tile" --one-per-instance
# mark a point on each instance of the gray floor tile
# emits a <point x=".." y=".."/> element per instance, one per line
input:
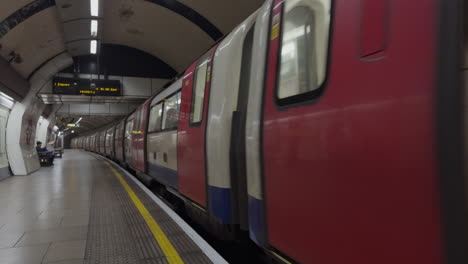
<point x="70" y="204"/>
<point x="53" y="235"/>
<point x="58" y="212"/>
<point x="9" y="239"/>
<point x="23" y="255"/>
<point x="38" y="224"/>
<point x="74" y="261"/>
<point x="65" y="251"/>
<point x="75" y="221"/>
<point x="14" y="217"/>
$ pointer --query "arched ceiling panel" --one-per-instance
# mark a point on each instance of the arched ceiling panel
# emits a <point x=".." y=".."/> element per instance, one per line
<point x="11" y="6"/>
<point x="36" y="40"/>
<point x="156" y="30"/>
<point x="192" y="15"/>
<point x="226" y="15"/>
<point x="23" y="13"/>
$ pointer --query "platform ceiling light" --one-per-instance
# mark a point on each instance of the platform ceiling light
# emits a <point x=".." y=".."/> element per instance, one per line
<point x="94" y="8"/>
<point x="73" y="131"/>
<point x="93" y="48"/>
<point x="94" y="28"/>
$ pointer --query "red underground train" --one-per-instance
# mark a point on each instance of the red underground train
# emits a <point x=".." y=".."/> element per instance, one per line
<point x="329" y="130"/>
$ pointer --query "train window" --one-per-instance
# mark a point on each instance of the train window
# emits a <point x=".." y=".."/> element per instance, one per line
<point x="304" y="47"/>
<point x="155" y="118"/>
<point x="198" y="96"/>
<point x="171" y="112"/>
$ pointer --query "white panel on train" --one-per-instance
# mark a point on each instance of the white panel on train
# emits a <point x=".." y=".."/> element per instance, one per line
<point x="223" y="101"/>
<point x="254" y="106"/>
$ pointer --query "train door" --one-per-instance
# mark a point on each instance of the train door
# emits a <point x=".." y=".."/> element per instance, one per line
<point x="119" y="144"/>
<point x="95" y="143"/>
<point x="128" y="139"/>
<point x="142" y="137"/>
<point x="139" y="137"/>
<point x="113" y="142"/>
<point x="347" y="132"/>
<point x="192" y="129"/>
<point x="102" y="142"/>
<point x="135" y="138"/>
<point x="98" y="142"/>
<point x="452" y="113"/>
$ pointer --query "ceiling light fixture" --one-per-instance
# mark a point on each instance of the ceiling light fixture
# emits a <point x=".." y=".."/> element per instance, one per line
<point x="93" y="48"/>
<point x="94" y="28"/>
<point x="94" y="8"/>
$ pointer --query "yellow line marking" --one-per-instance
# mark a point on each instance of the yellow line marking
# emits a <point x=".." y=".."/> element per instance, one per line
<point x="281" y="258"/>
<point x="168" y="249"/>
<point x="199" y="207"/>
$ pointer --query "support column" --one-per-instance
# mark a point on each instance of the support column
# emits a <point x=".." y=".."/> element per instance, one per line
<point x="22" y="123"/>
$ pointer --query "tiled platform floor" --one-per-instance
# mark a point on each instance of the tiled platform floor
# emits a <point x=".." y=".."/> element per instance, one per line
<point x="44" y="216"/>
<point x="80" y="211"/>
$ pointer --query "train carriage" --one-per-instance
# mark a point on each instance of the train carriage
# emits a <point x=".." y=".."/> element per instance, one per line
<point x="312" y="126"/>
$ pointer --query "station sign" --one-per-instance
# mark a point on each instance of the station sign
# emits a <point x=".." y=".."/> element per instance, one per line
<point x="70" y="86"/>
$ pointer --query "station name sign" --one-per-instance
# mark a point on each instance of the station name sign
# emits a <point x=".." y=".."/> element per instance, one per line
<point x="69" y="86"/>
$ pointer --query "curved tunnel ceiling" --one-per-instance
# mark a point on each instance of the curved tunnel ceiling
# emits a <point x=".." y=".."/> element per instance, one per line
<point x="171" y="37"/>
<point x="176" y="32"/>
<point x="192" y="15"/>
<point x="34" y="34"/>
<point x="130" y="62"/>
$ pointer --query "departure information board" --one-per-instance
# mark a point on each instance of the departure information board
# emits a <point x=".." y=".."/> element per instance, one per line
<point x="70" y="86"/>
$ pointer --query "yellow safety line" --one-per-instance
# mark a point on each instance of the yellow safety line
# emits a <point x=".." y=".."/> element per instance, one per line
<point x="168" y="249"/>
<point x="281" y="258"/>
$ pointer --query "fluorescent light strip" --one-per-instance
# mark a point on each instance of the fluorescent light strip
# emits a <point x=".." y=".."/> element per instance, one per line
<point x="93" y="48"/>
<point x="94" y="28"/>
<point x="94" y="8"/>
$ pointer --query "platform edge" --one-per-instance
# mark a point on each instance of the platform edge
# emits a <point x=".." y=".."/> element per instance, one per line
<point x="197" y="239"/>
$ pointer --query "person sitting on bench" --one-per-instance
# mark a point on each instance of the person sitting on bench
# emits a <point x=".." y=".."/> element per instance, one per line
<point x="44" y="152"/>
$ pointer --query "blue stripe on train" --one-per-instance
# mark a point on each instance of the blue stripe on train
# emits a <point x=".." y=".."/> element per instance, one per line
<point x="220" y="203"/>
<point x="164" y="175"/>
<point x="256" y="221"/>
